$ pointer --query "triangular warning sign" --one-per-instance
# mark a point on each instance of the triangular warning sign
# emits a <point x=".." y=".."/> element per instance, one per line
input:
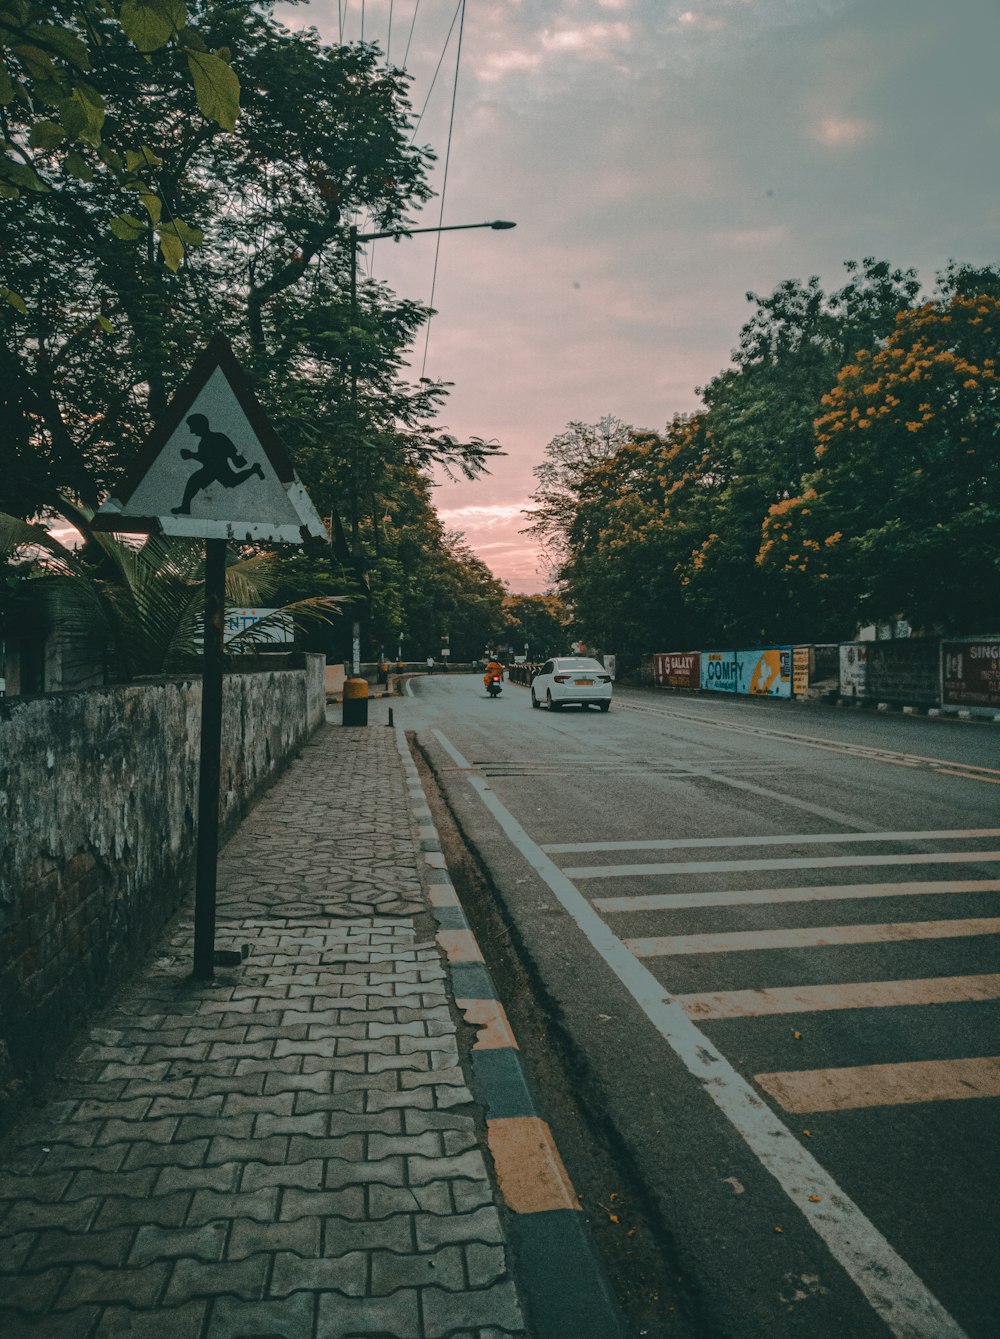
<point x="214" y="468"/>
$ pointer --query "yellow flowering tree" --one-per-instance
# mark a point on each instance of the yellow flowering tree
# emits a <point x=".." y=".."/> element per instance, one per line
<point x="901" y="515"/>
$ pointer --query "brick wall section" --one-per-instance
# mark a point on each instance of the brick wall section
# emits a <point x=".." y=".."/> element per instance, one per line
<point x="98" y="805"/>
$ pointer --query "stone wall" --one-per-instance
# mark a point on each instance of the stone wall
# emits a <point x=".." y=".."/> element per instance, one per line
<point x="98" y="807"/>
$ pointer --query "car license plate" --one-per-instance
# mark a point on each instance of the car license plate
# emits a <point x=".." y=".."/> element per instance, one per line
<point x="584" y="683"/>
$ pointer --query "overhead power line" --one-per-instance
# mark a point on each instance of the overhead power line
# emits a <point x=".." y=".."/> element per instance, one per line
<point x="444" y="182"/>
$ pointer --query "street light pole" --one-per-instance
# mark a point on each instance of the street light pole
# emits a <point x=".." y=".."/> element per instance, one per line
<point x="356" y="239"/>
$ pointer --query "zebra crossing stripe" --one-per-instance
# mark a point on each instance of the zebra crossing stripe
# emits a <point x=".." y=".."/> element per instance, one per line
<point x="848" y="1089"/>
<point x="851" y="995"/>
<point x="804" y="862"/>
<point x="826" y="892"/>
<point x="813" y="936"/>
<point x="772" y="839"/>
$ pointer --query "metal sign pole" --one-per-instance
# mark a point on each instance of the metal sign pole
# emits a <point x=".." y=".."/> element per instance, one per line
<point x="209" y="762"/>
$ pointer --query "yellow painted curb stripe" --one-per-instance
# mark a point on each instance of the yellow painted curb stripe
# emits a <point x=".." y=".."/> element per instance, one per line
<point x="530" y="1172"/>
<point x="819" y="936"/>
<point x="855" y="995"/>
<point x="883" y="1085"/>
<point x="495" y="1032"/>
<point x="459" y="945"/>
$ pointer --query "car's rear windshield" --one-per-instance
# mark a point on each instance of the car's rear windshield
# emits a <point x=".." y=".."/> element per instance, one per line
<point x="578" y="665"/>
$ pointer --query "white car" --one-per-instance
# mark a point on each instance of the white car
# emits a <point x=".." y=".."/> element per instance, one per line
<point x="579" y="679"/>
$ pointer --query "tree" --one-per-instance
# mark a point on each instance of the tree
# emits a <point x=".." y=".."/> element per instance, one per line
<point x="760" y="414"/>
<point x="568" y="457"/>
<point x="112" y="313"/>
<point x="540" y="622"/>
<point x="901" y="514"/>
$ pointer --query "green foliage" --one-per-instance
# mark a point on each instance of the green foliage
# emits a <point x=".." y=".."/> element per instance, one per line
<point x="142" y="604"/>
<point x="540" y="622"/>
<point x="61" y="72"/>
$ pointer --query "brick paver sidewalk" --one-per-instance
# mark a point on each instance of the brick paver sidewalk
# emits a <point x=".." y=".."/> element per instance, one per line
<point x="289" y="1151"/>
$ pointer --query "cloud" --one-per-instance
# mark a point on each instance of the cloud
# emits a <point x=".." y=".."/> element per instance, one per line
<point x="499" y="64"/>
<point x="840" y="132"/>
<point x="751" y="238"/>
<point x="707" y="23"/>
<point x="591" y="41"/>
<point x="484" y="516"/>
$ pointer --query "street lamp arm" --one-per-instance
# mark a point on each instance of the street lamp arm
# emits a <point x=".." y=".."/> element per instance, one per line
<point x="498" y="225"/>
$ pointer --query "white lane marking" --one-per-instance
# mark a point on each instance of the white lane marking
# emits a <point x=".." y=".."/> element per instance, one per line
<point x="823" y="892"/>
<point x="775" y="839"/>
<point x="796" y="862"/>
<point x="812" y="936"/>
<point x="865" y="752"/>
<point x="851" y="995"/>
<point x="904" y="1303"/>
<point x="967" y="776"/>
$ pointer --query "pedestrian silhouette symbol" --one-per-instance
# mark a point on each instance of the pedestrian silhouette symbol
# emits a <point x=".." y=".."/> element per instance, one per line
<point x="216" y="455"/>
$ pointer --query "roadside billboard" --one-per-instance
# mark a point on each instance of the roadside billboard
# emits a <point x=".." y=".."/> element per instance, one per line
<point x="970" y="673"/>
<point x="719" y="671"/>
<point x="801" y="662"/>
<point x="279" y="631"/>
<point x="766" y="672"/>
<point x="905" y="669"/>
<point x="854" y="669"/>
<point x="677" y="669"/>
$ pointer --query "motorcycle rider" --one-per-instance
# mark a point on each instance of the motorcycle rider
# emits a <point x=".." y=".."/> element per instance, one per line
<point x="494" y="670"/>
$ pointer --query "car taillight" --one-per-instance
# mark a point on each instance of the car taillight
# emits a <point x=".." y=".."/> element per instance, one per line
<point x="604" y="678"/>
<point x="561" y="678"/>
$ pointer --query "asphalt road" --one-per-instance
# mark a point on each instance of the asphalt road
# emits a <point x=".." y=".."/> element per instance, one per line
<point x="760" y="945"/>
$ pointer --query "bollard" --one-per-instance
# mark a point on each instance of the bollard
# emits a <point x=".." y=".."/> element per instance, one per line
<point x="355" y="702"/>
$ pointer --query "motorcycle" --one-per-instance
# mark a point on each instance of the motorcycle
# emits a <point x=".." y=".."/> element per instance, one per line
<point x="495" y="686"/>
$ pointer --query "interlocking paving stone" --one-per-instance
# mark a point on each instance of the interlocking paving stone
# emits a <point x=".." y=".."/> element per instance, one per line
<point x="348" y="1317"/>
<point x="77" y="1324"/>
<point x="25" y="1215"/>
<point x="294" y="1273"/>
<point x="185" y="1154"/>
<point x="198" y="1278"/>
<point x="202" y="1243"/>
<point x="134" y="1287"/>
<point x="348" y="1203"/>
<point x="304" y="1175"/>
<point x="119" y="1322"/>
<point x="340" y="1236"/>
<point x="482" y="1225"/>
<point x="303" y="1236"/>
<point x="445" y="1311"/>
<point x="287" y="1318"/>
<point x="161" y="1210"/>
<point x="445" y="1268"/>
<point x="97" y="1248"/>
<point x="209" y="1204"/>
<point x="289" y="1150"/>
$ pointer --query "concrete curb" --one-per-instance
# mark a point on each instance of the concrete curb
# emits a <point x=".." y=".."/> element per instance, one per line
<point x="557" y="1267"/>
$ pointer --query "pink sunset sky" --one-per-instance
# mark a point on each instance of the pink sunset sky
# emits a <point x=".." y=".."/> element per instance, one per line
<point x="660" y="160"/>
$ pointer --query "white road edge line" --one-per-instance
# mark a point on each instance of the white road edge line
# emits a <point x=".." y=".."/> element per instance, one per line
<point x="894" y="1291"/>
